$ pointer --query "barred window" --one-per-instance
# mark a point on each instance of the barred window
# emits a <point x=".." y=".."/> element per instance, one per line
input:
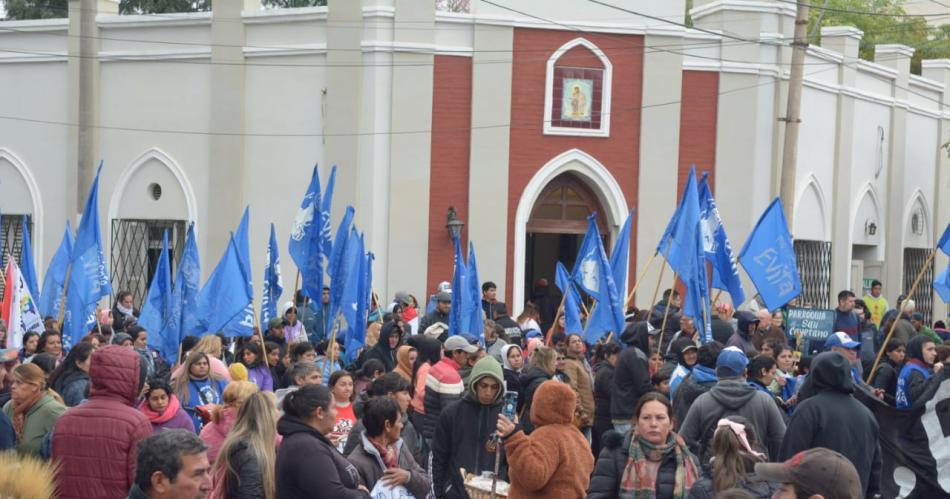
<point x="11" y="241"/>
<point x="914" y="260"/>
<point x="814" y="270"/>
<point x="136" y="247"/>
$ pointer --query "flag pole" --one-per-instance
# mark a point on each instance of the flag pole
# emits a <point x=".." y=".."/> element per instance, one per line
<point x="62" y="299"/>
<point x="296" y="287"/>
<point x="900" y="312"/>
<point x="560" y="311"/>
<point x="716" y="298"/>
<point x="666" y="313"/>
<point x="639" y="279"/>
<point x="659" y="280"/>
<point x="98" y="324"/>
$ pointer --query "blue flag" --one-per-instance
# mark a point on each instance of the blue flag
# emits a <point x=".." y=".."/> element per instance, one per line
<point x="336" y="268"/>
<point x="89" y="277"/>
<point x="620" y="257"/>
<point x="353" y="282"/>
<point x="458" y="290"/>
<point x="944" y="243"/>
<point x="593" y="275"/>
<point x="572" y="300"/>
<point x="273" y="286"/>
<point x="473" y="318"/>
<point x="718" y="249"/>
<point x="356" y="336"/>
<point x="156" y="310"/>
<point x="55" y="277"/>
<point x="225" y="296"/>
<point x="942" y="284"/>
<point x="325" y="204"/>
<point x="769" y="258"/>
<point x="27" y="268"/>
<point x="306" y="240"/>
<point x="687" y="256"/>
<point x="243" y="324"/>
<point x="183" y="311"/>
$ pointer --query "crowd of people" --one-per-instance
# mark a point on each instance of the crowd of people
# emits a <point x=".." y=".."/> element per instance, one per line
<point x="652" y="411"/>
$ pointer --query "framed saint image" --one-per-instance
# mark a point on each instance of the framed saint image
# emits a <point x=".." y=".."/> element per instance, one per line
<point x="577" y="95"/>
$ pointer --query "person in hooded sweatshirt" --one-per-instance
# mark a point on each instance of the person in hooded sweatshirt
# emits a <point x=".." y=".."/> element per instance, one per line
<point x="108" y="418"/>
<point x="465" y="433"/>
<point x="830" y="417"/>
<point x="732" y="395"/>
<point x="385" y="349"/>
<point x="886" y="374"/>
<point x="512" y="360"/>
<point x="686" y="351"/>
<point x="699" y="381"/>
<point x="920" y="366"/>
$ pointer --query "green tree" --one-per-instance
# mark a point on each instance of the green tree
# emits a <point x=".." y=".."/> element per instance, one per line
<point x="36" y="9"/>
<point x="163" y="6"/>
<point x="286" y="4"/>
<point x="43" y="9"/>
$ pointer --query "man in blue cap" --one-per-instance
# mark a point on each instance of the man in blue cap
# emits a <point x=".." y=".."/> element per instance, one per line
<point x="732" y="395"/>
<point x="844" y="344"/>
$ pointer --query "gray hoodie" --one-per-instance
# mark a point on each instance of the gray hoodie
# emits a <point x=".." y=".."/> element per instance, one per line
<point x="734" y="396"/>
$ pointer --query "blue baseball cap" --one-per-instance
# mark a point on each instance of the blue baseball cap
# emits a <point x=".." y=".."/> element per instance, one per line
<point x="731" y="362"/>
<point x="841" y="339"/>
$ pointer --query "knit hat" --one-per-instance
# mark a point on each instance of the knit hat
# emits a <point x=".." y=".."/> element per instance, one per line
<point x="238" y="372"/>
<point x="275" y="323"/>
<point x="815" y="471"/>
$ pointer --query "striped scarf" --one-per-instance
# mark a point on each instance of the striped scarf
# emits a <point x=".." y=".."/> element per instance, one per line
<point x="639" y="478"/>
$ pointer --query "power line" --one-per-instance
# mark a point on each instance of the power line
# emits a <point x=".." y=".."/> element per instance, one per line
<point x="865" y="12"/>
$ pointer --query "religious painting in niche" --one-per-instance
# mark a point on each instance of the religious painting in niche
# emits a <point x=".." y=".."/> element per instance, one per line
<point x="576" y="97"/>
<point x="576" y="100"/>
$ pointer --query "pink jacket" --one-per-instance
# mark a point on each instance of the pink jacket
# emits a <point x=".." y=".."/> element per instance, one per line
<point x="214" y="434"/>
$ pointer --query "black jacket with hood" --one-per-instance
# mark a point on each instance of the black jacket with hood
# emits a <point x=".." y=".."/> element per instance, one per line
<point x="464" y="429"/>
<point x="885" y="378"/>
<point x="308" y="464"/>
<point x="833" y="419"/>
<point x="631" y="381"/>
<point x="530" y="381"/>
<point x="381" y="350"/>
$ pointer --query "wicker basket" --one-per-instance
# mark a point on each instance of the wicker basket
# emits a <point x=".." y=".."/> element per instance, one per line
<point x="480" y="487"/>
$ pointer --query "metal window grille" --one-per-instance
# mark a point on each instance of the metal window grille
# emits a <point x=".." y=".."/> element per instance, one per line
<point x="136" y="247"/>
<point x="914" y="260"/>
<point x="814" y="270"/>
<point x="11" y="241"/>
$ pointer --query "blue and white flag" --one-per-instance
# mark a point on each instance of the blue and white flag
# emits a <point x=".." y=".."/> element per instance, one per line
<point x="183" y="312"/>
<point x="306" y="240"/>
<point x="353" y="282"/>
<point x="273" y="285"/>
<point x="326" y="203"/>
<point x="356" y="336"/>
<point x="572" y="300"/>
<point x="27" y="267"/>
<point x="944" y="243"/>
<point x="89" y="277"/>
<point x="55" y="276"/>
<point x="156" y="310"/>
<point x="243" y="324"/>
<point x="593" y="275"/>
<point x="620" y="257"/>
<point x="459" y="274"/>
<point x="718" y="249"/>
<point x="225" y="296"/>
<point x="769" y="258"/>
<point x="687" y="256"/>
<point x="336" y="268"/>
<point x="473" y="317"/>
<point x="942" y="284"/>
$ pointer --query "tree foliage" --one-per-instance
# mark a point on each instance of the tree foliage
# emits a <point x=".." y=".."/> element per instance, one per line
<point x="36" y="9"/>
<point x="163" y="6"/>
<point x="44" y="9"/>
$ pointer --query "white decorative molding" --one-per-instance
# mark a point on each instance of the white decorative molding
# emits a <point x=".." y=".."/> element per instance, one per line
<point x="760" y="7"/>
<point x="13" y="27"/>
<point x="839" y="31"/>
<point x="415" y="48"/>
<point x="149" y="20"/>
<point x="155" y="55"/>
<point x="36" y="196"/>
<point x="291" y="15"/>
<point x="876" y="69"/>
<point x="34" y="56"/>
<point x="384" y="11"/>
<point x="286" y="50"/>
<point x="824" y="54"/>
<point x="606" y="87"/>
<point x="935" y="64"/>
<point x="157" y="154"/>
<point x="893" y="48"/>
<point x="593" y="173"/>
<point x="868" y="189"/>
<point x="927" y="84"/>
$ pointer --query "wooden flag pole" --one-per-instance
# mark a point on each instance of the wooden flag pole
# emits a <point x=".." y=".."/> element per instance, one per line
<point x="560" y="311"/>
<point x="62" y="298"/>
<point x="666" y="313"/>
<point x="659" y="280"/>
<point x="900" y="312"/>
<point x="716" y="298"/>
<point x="296" y="287"/>
<point x="639" y="280"/>
<point x="98" y="324"/>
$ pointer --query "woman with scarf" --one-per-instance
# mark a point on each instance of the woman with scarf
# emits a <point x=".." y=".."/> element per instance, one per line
<point x="733" y="465"/>
<point x="124" y="313"/>
<point x="785" y="384"/>
<point x="920" y="366"/>
<point x="405" y="356"/>
<point x="162" y="408"/>
<point x="33" y="408"/>
<point x="198" y="388"/>
<point x="651" y="461"/>
<point x="257" y="369"/>
<point x="71" y="378"/>
<point x="294" y="330"/>
<point x="512" y="363"/>
<point x="31" y="340"/>
<point x="154" y="365"/>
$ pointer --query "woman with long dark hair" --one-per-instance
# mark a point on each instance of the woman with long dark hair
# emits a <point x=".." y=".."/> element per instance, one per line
<point x="162" y="408"/>
<point x="71" y="378"/>
<point x="31" y="340"/>
<point x="252" y="356"/>
<point x="307" y="461"/>
<point x="198" y="388"/>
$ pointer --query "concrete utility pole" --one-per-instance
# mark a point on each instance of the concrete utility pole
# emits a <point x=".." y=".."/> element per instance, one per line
<point x="793" y="111"/>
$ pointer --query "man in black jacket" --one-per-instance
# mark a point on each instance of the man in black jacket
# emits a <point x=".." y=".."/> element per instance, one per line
<point x="833" y="419"/>
<point x="699" y="381"/>
<point x="465" y="431"/>
<point x="631" y="380"/>
<point x="443" y="303"/>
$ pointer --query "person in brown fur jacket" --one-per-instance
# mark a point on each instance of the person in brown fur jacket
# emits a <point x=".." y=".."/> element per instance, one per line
<point x="555" y="461"/>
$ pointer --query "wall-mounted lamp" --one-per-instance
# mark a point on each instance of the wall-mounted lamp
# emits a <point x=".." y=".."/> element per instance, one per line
<point x="870" y="228"/>
<point x="453" y="224"/>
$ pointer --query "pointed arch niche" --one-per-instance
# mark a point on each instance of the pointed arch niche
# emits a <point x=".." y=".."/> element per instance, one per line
<point x="21" y="196"/>
<point x="917" y="225"/>
<point x="577" y="91"/>
<point x="811" y="215"/>
<point x="134" y="192"/>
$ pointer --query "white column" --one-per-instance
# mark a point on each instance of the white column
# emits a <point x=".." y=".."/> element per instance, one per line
<point x="939" y="70"/>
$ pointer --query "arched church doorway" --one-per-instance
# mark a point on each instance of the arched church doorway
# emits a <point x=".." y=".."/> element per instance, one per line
<point x="554" y="233"/>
